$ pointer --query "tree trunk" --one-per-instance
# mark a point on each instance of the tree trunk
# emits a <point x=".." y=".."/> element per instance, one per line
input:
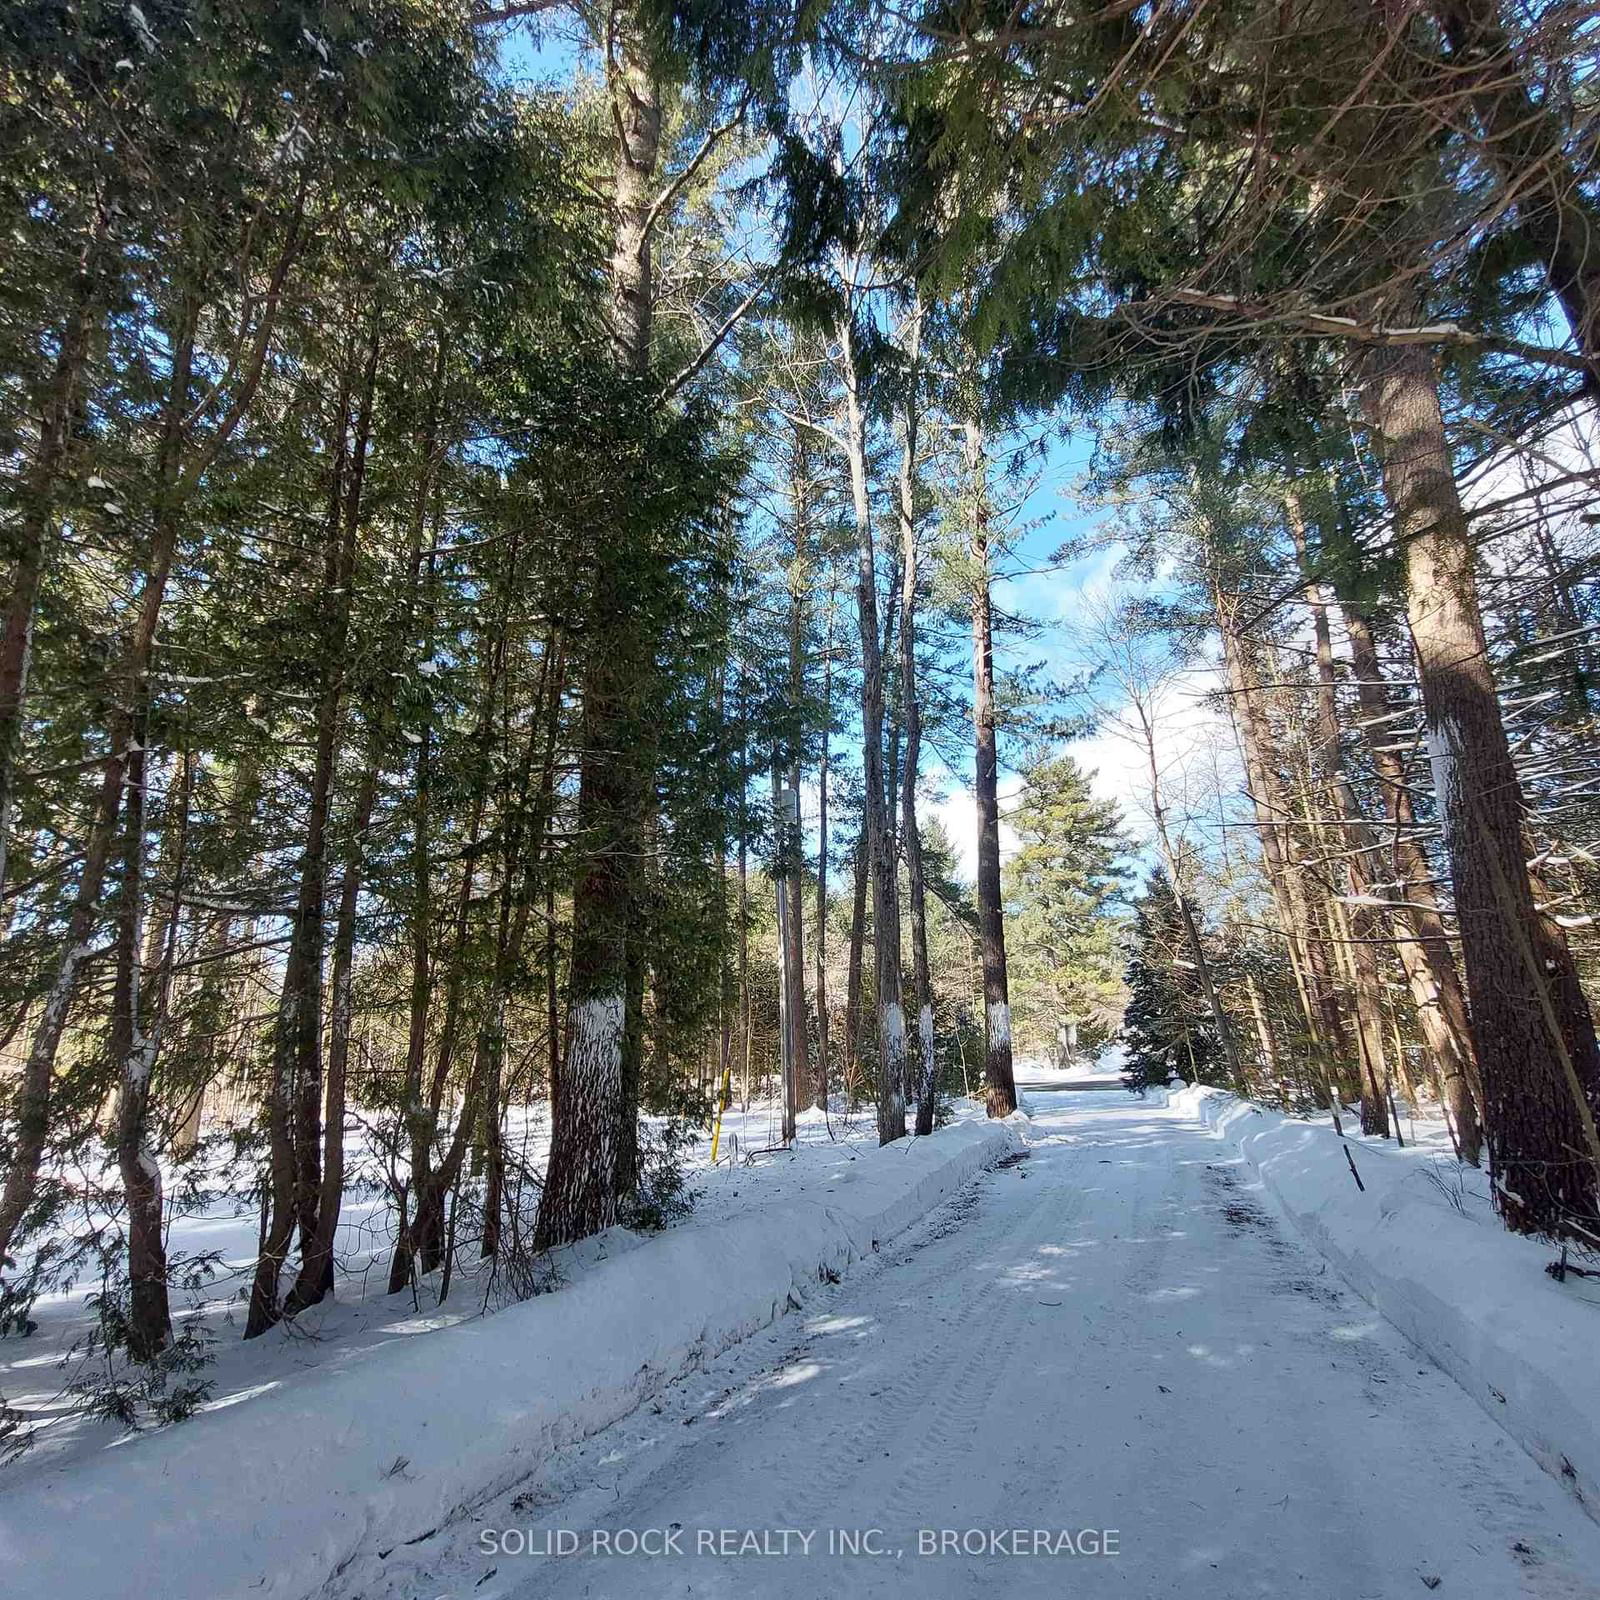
<point x="421" y="987"/>
<point x="297" y="1048"/>
<point x="36" y="525"/>
<point x="177" y="470"/>
<point x="1535" y="1040"/>
<point x="1274" y="816"/>
<point x="911" y="711"/>
<point x="744" y="918"/>
<point x="583" y="1180"/>
<point x="423" y="1244"/>
<point x="998" y="1074"/>
<point x="879" y="835"/>
<point x="791" y="1020"/>
<point x="21" y="1185"/>
<point x="38" y="1071"/>
<point x="795" y="960"/>
<point x="294" y="1106"/>
<point x="516" y="889"/>
<point x="1420" y="935"/>
<point x="492" y="1044"/>
<point x="791" y="851"/>
<point x="893" y="730"/>
<point x="1355" y="846"/>
<point x="134" y="1048"/>
<point x="556" y="648"/>
<point x="315" y="1279"/>
<point x="1170" y="855"/>
<point x="581" y="1193"/>
<point x="1265" y="1040"/>
<point x="819" y="1092"/>
<point x="853" y="960"/>
<point x="308" y="1136"/>
<point x="1365" y="978"/>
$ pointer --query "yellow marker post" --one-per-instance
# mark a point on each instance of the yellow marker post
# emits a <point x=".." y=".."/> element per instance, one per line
<point x="722" y="1105"/>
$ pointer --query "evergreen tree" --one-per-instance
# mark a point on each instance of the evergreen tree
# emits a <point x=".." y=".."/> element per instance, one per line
<point x="1167" y="1028"/>
<point x="1062" y="890"/>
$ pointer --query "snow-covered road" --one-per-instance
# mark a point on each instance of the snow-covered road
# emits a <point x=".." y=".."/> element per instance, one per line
<point x="1113" y="1334"/>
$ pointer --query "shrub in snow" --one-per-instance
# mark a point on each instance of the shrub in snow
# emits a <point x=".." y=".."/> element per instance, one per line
<point x="663" y="1195"/>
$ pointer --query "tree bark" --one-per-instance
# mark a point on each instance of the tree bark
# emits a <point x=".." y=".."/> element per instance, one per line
<point x="1356" y="848"/>
<point x="516" y="892"/>
<point x="1424" y="942"/>
<point x="879" y="834"/>
<point x="584" y="1180"/>
<point x="1270" y="802"/>
<point x="422" y="1245"/>
<point x="1534" y="1037"/>
<point x="854" y="959"/>
<point x="1416" y="926"/>
<point x="911" y="712"/>
<point x="780" y="896"/>
<point x="297" y="1047"/>
<point x="744" y="909"/>
<point x="819" y="1093"/>
<point x="582" y="1193"/>
<point x="125" y="767"/>
<point x="790" y="855"/>
<point x="294" y="1108"/>
<point x="1266" y="1042"/>
<point x="36" y="525"/>
<point x="315" y="1279"/>
<point x="556" y="648"/>
<point x="133" y="1047"/>
<point x="420" y="929"/>
<point x="998" y="1074"/>
<point x="180" y="465"/>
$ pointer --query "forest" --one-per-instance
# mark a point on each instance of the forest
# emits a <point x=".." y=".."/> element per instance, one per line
<point x="569" y="566"/>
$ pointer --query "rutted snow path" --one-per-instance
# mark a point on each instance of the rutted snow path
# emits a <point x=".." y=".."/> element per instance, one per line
<point x="1114" y="1334"/>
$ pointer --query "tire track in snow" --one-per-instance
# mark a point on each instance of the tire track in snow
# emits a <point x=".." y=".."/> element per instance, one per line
<point x="1095" y="1344"/>
<point x="919" y="1494"/>
<point x="641" y="1461"/>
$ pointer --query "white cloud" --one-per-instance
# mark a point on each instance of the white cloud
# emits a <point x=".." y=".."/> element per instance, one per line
<point x="1193" y="740"/>
<point x="957" y="811"/>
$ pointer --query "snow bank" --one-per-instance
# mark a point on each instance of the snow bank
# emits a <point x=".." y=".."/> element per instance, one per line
<point x="271" y="1497"/>
<point x="1476" y="1298"/>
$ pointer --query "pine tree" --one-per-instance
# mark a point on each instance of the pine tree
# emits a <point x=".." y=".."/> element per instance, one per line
<point x="1167" y="1029"/>
<point x="1062" y="891"/>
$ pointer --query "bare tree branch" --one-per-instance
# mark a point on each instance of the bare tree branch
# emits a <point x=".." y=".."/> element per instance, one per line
<point x="487" y="16"/>
<point x="710" y="142"/>
<point x="710" y="347"/>
<point x="1325" y="325"/>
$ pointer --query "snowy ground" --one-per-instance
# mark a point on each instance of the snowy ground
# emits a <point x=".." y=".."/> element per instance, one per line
<point x="1114" y="1334"/>
<point x="35" y="1372"/>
